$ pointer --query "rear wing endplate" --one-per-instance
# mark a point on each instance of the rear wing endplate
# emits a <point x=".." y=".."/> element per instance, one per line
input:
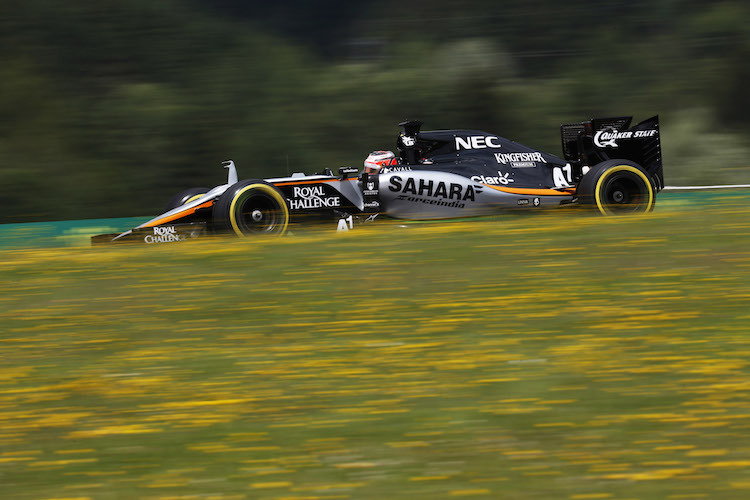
<point x="600" y="139"/>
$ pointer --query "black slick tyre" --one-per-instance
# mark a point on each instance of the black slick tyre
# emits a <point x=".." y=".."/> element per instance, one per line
<point x="617" y="187"/>
<point x="185" y="197"/>
<point x="251" y="207"/>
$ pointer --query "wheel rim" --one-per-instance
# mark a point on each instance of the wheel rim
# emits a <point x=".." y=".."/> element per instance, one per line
<point x="258" y="213"/>
<point x="624" y="190"/>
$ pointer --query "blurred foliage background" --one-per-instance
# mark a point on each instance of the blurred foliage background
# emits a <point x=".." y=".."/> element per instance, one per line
<point x="109" y="107"/>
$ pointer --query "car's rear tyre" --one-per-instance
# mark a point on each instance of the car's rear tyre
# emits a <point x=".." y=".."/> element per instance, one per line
<point x="617" y="187"/>
<point x="250" y="208"/>
<point x="186" y="197"/>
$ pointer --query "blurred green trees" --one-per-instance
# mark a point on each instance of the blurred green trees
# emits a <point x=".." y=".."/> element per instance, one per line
<point x="109" y="107"/>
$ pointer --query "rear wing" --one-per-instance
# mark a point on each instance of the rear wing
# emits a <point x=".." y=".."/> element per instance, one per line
<point x="600" y="139"/>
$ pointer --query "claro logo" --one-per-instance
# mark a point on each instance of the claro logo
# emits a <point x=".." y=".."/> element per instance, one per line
<point x="477" y="142"/>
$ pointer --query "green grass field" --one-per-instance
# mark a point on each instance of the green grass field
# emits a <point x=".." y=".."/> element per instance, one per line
<point x="553" y="355"/>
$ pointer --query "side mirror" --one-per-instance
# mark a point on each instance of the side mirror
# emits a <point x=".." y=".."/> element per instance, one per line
<point x="232" y="175"/>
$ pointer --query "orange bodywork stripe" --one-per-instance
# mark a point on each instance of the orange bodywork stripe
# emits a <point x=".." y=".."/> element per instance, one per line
<point x="534" y="192"/>
<point x="179" y="215"/>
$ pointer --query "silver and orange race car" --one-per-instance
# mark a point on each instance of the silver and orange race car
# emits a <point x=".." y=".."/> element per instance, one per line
<point x="607" y="165"/>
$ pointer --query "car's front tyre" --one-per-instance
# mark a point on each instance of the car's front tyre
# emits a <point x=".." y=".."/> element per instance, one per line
<point x="251" y="207"/>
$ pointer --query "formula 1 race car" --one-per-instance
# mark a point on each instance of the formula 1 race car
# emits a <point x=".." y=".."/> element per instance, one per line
<point x="608" y="166"/>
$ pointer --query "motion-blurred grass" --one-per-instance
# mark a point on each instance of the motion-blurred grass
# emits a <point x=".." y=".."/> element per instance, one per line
<point x="544" y="356"/>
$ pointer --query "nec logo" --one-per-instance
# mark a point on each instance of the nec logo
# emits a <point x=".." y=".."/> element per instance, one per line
<point x="477" y="142"/>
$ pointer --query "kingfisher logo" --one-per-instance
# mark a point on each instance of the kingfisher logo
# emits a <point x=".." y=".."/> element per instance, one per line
<point x="520" y="160"/>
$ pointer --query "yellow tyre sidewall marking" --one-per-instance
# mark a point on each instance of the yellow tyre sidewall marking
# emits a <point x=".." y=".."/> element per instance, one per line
<point x="266" y="189"/>
<point x="626" y="168"/>
<point x="193" y="198"/>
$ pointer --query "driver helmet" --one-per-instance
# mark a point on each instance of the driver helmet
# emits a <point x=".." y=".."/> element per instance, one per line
<point x="379" y="159"/>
